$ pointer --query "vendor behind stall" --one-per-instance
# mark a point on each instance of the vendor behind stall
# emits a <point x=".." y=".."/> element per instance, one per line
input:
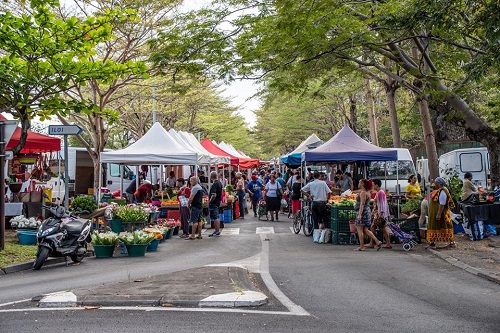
<point x="144" y="192"/>
<point x="469" y="189"/>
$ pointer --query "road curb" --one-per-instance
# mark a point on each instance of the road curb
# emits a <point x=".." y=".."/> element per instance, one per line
<point x="459" y="264"/>
<point x="28" y="265"/>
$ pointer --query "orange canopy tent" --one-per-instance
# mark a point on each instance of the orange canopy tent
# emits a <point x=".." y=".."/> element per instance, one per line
<point x="242" y="162"/>
<point x="35" y="142"/>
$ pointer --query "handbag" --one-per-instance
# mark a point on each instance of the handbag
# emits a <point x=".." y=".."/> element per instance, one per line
<point x="380" y="221"/>
<point x="279" y="194"/>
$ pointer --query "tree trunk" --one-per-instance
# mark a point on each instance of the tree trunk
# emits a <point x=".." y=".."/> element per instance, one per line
<point x="390" y="94"/>
<point x="352" y="112"/>
<point x="429" y="138"/>
<point x="371" y="113"/>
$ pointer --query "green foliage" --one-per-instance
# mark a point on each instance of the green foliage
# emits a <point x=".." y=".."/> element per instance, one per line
<point x="454" y="184"/>
<point x="84" y="202"/>
<point x="411" y="205"/>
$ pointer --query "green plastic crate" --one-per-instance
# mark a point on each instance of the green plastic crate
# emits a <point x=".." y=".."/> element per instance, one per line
<point x="344" y="213"/>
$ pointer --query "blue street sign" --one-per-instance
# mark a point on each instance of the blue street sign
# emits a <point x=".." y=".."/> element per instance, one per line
<point x="64" y="129"/>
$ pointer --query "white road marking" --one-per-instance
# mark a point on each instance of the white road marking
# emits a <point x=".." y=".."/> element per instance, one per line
<point x="152" y="309"/>
<point x="230" y="231"/>
<point x="264" y="230"/>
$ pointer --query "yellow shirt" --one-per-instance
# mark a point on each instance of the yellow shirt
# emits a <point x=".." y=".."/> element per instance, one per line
<point x="413" y="191"/>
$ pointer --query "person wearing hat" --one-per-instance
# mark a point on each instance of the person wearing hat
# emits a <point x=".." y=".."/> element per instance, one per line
<point x="144" y="191"/>
<point x="440" y="225"/>
<point x="254" y="190"/>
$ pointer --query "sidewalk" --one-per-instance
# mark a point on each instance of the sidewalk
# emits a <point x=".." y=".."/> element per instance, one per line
<point x="481" y="258"/>
<point x="199" y="287"/>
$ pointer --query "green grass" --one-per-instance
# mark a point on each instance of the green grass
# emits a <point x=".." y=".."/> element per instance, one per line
<point x="14" y="253"/>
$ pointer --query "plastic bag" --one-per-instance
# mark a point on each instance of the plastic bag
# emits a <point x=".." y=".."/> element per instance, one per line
<point x="322" y="237"/>
<point x="346" y="192"/>
<point x="284" y="203"/>
<point x="316" y="235"/>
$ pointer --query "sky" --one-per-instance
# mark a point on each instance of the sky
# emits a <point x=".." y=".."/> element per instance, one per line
<point x="238" y="92"/>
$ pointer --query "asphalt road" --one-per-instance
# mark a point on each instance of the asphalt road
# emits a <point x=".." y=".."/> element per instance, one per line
<point x="341" y="289"/>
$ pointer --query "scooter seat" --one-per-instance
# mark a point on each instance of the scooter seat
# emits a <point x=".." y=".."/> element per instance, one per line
<point x="74" y="227"/>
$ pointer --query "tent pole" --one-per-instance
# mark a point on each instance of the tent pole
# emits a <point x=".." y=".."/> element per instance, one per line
<point x="121" y="180"/>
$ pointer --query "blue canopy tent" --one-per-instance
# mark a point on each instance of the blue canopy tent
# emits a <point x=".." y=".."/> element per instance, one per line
<point x="294" y="159"/>
<point x="348" y="146"/>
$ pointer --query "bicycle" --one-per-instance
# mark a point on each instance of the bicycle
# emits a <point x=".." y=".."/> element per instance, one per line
<point x="303" y="218"/>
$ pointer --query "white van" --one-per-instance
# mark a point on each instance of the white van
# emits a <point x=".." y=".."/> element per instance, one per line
<point x="459" y="161"/>
<point x="394" y="176"/>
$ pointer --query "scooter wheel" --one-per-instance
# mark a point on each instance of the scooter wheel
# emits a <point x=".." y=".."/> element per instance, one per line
<point x="43" y="254"/>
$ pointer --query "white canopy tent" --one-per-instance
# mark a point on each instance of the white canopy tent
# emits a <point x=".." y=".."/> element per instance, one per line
<point x="203" y="157"/>
<point x="189" y="137"/>
<point x="154" y="147"/>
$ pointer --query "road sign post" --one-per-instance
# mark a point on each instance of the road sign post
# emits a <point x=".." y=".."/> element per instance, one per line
<point x="65" y="130"/>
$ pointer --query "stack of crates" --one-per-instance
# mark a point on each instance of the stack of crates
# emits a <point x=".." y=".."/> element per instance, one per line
<point x="341" y="230"/>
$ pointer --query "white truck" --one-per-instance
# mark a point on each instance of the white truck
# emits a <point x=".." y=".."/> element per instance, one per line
<point x="459" y="161"/>
<point x="394" y="175"/>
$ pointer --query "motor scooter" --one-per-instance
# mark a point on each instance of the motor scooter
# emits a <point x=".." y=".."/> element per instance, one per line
<point x="63" y="234"/>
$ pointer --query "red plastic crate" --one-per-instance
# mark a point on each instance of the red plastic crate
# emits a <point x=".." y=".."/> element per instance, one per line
<point x="173" y="214"/>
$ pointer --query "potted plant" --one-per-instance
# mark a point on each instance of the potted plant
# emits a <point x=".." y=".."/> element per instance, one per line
<point x="104" y="243"/>
<point x="132" y="213"/>
<point x="114" y="221"/>
<point x="26" y="229"/>
<point x="83" y="202"/>
<point x="136" y="242"/>
<point x="158" y="235"/>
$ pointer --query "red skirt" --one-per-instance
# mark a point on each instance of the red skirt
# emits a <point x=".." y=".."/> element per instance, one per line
<point x="295" y="205"/>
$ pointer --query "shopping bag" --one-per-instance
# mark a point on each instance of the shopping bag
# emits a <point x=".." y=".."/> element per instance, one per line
<point x="284" y="203"/>
<point x="322" y="237"/>
<point x="328" y="237"/>
<point x="316" y="235"/>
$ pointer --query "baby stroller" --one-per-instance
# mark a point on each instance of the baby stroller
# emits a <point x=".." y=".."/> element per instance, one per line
<point x="407" y="240"/>
<point x="262" y="209"/>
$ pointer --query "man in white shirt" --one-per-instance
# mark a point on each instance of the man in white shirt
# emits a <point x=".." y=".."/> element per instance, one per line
<point x="318" y="191"/>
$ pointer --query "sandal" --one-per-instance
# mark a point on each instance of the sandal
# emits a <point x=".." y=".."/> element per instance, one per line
<point x="387" y="247"/>
<point x="452" y="245"/>
<point x="199" y="237"/>
<point x="359" y="249"/>
<point x="189" y="238"/>
<point x="370" y="246"/>
<point x="379" y="245"/>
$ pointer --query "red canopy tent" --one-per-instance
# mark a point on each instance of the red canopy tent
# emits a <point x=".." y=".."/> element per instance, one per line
<point x="35" y="142"/>
<point x="244" y="163"/>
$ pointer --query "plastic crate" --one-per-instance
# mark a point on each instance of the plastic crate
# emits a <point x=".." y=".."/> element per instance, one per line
<point x="341" y="226"/>
<point x="344" y="238"/>
<point x="342" y="213"/>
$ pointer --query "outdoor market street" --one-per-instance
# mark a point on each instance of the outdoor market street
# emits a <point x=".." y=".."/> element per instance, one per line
<point x="338" y="289"/>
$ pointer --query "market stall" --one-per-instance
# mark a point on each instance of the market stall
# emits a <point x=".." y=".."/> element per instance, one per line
<point x="346" y="146"/>
<point x="25" y="193"/>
